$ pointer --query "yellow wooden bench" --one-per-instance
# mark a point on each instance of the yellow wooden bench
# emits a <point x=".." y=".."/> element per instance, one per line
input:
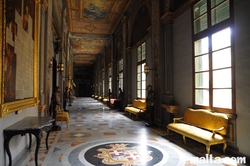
<point x="206" y="127"/>
<point x="138" y="107"/>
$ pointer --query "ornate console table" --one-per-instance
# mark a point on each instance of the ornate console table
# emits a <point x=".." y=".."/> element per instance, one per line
<point x="30" y="125"/>
<point x="173" y="109"/>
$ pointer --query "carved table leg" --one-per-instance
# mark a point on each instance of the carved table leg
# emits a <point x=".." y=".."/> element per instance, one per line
<point x="47" y="139"/>
<point x="30" y="141"/>
<point x="38" y="141"/>
<point x="7" y="148"/>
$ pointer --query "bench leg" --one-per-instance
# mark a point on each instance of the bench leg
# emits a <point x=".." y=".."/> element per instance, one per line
<point x="184" y="139"/>
<point x="67" y="122"/>
<point x="224" y="147"/>
<point x="167" y="131"/>
<point x="208" y="149"/>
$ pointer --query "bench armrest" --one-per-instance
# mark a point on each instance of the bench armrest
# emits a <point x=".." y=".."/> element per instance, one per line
<point x="142" y="110"/>
<point x="177" y="119"/>
<point x="216" y="131"/>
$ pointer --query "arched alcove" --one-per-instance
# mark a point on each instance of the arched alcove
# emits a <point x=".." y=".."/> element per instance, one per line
<point x="141" y="24"/>
<point x="119" y="47"/>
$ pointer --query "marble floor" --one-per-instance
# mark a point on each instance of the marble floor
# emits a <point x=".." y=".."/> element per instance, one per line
<point x="100" y="136"/>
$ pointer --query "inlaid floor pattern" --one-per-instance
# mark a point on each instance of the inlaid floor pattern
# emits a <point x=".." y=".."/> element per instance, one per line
<point x="100" y="136"/>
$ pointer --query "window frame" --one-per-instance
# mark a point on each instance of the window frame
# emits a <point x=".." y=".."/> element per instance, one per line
<point x="208" y="32"/>
<point x="120" y="72"/>
<point x="110" y="78"/>
<point x="138" y="63"/>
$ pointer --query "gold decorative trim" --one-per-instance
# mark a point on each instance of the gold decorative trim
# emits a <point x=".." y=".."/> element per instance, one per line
<point x="7" y="108"/>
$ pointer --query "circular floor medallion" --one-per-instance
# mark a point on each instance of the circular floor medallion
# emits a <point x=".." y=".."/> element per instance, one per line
<point x="120" y="152"/>
<point x="123" y="153"/>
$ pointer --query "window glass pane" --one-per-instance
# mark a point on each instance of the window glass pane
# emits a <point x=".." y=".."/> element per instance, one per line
<point x="222" y="58"/>
<point x="143" y="76"/>
<point x="200" y="24"/>
<point x="120" y="80"/>
<point x="139" y="93"/>
<point x="109" y="71"/>
<point x="143" y="46"/>
<point x="202" y="80"/>
<point x="222" y="98"/>
<point x="221" y="39"/>
<point x="121" y="65"/>
<point x="215" y="2"/>
<point x="201" y="46"/>
<point x="138" y="77"/>
<point x="220" y="13"/>
<point x="143" y="55"/>
<point x="120" y="75"/>
<point x="200" y="8"/>
<point x="222" y="78"/>
<point x="201" y="63"/>
<point x="138" y="57"/>
<point x="138" y="85"/>
<point x="121" y="85"/>
<point x="139" y="69"/>
<point x="143" y="84"/>
<point x="139" y="50"/>
<point x="143" y="94"/>
<point x="202" y="97"/>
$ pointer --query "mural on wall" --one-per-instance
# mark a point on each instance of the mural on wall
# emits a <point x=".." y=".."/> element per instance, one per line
<point x="17" y="54"/>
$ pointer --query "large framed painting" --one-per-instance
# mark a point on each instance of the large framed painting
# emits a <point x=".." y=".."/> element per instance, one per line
<point x="19" y="55"/>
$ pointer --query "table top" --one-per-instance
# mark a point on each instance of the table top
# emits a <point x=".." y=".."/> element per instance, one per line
<point x="30" y="123"/>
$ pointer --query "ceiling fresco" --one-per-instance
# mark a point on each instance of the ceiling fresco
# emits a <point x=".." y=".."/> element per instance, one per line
<point x="91" y="23"/>
<point x="95" y="16"/>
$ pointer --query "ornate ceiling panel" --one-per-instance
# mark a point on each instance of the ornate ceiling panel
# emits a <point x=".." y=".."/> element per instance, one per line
<point x="87" y="45"/>
<point x="95" y="16"/>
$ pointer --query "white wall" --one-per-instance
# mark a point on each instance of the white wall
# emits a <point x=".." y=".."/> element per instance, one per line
<point x="17" y="143"/>
<point x="183" y="80"/>
<point x="242" y="73"/>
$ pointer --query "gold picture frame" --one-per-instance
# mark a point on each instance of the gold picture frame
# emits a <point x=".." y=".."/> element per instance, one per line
<point x="10" y="106"/>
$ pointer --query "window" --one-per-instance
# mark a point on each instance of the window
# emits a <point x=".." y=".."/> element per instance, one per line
<point x="103" y="83"/>
<point x="213" y="73"/>
<point x="141" y="76"/>
<point x="110" y="78"/>
<point x="120" y="73"/>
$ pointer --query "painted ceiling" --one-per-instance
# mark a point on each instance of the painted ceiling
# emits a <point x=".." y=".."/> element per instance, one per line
<point x="91" y="23"/>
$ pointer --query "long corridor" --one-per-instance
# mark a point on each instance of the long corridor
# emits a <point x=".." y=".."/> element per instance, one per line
<point x="100" y="136"/>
